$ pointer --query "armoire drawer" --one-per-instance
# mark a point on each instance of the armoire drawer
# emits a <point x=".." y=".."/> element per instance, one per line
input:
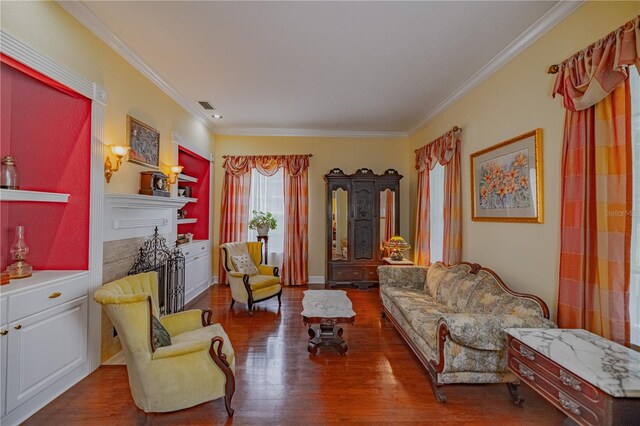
<point x="346" y="273"/>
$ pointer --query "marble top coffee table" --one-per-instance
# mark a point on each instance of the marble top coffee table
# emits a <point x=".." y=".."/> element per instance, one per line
<point x="321" y="311"/>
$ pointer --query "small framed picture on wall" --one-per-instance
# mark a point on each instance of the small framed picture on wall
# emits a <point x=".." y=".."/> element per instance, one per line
<point x="144" y="142"/>
<point x="506" y="181"/>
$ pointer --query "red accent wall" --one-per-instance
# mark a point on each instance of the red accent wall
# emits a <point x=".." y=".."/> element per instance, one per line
<point x="196" y="166"/>
<point x="46" y="127"/>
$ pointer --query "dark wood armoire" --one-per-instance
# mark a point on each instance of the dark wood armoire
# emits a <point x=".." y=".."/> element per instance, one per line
<point x="363" y="210"/>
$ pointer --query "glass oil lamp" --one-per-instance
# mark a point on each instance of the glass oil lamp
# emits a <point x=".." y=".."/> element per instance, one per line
<point x="19" y="250"/>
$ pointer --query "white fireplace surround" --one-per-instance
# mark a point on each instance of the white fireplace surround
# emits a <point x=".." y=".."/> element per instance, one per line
<point x="132" y="215"/>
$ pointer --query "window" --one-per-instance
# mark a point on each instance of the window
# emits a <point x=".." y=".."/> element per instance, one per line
<point x="634" y="296"/>
<point x="267" y="195"/>
<point x="436" y="212"/>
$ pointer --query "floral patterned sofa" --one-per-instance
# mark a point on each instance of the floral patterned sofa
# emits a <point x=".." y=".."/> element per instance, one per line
<point x="454" y="318"/>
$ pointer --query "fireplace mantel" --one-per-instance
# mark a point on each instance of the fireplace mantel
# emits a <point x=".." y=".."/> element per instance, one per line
<point x="133" y="215"/>
<point x="134" y="201"/>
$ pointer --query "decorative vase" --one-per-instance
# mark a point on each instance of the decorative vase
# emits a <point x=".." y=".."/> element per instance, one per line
<point x="9" y="174"/>
<point x="262" y="230"/>
<point x="19" y="250"/>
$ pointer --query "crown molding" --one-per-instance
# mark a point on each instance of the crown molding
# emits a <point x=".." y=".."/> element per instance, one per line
<point x="249" y="131"/>
<point x="564" y="8"/>
<point x="547" y="21"/>
<point x="87" y="18"/>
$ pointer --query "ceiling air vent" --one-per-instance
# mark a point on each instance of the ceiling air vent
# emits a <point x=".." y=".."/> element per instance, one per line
<point x="206" y="105"/>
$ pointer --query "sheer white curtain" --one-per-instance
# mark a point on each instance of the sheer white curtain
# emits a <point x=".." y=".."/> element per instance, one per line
<point x="634" y="296"/>
<point x="436" y="211"/>
<point x="267" y="195"/>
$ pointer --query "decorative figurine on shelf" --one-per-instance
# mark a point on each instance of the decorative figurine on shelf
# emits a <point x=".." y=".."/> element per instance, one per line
<point x="397" y="245"/>
<point x="19" y="251"/>
<point x="9" y="176"/>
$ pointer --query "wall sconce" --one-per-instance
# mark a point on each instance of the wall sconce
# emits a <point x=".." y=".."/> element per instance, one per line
<point x="119" y="151"/>
<point x="173" y="176"/>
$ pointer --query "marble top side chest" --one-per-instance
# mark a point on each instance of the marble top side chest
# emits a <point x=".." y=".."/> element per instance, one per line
<point x="592" y="380"/>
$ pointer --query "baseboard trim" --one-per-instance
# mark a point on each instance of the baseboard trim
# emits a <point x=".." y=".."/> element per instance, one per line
<point x="316" y="279"/>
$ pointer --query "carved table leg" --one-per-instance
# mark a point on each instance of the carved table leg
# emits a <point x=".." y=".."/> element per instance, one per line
<point x="515" y="393"/>
<point x="326" y="335"/>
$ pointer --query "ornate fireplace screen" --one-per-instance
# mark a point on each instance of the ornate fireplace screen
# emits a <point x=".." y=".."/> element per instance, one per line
<point x="169" y="264"/>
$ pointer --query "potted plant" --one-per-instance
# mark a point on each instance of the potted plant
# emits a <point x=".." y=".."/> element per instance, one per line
<point x="262" y="222"/>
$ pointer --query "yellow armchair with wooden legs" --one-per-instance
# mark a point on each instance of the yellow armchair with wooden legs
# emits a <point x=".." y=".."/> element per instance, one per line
<point x="176" y="361"/>
<point x="250" y="281"/>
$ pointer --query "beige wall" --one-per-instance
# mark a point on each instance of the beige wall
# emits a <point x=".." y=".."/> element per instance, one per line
<point x="349" y="154"/>
<point x="49" y="29"/>
<point x="513" y="101"/>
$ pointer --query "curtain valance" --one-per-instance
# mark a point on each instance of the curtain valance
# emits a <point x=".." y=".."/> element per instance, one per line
<point x="591" y="74"/>
<point x="266" y="165"/>
<point x="440" y="150"/>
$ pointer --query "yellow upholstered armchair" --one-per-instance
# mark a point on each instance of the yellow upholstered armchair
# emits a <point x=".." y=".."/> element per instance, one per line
<point x="196" y="366"/>
<point x="250" y="281"/>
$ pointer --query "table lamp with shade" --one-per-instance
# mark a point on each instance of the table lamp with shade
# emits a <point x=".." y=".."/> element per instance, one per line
<point x="396" y="245"/>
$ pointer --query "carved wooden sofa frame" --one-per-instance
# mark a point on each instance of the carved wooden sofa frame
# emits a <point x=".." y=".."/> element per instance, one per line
<point x="437" y="366"/>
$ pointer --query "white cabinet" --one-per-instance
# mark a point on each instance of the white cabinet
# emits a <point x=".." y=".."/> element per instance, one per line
<point x="197" y="268"/>
<point x="44" y="347"/>
<point x="4" y="337"/>
<point x="43" y="340"/>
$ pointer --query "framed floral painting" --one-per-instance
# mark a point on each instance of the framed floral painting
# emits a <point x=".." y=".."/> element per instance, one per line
<point x="144" y="142"/>
<point x="506" y="181"/>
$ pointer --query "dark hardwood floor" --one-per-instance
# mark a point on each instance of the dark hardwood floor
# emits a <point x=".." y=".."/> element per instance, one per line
<point x="379" y="381"/>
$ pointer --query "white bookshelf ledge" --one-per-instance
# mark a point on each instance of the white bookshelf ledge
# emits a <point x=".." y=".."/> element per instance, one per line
<point x="39" y="196"/>
<point x="188" y="220"/>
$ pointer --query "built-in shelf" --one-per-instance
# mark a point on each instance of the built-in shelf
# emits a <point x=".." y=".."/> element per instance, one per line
<point x="189" y="220"/>
<point x="187" y="178"/>
<point x="40" y="196"/>
<point x="134" y="201"/>
<point x="189" y="200"/>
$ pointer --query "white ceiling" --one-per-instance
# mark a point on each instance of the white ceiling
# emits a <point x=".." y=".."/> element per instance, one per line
<point x="376" y="67"/>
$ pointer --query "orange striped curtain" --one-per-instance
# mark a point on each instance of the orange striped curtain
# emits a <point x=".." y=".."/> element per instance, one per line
<point x="597" y="186"/>
<point x="452" y="241"/>
<point x="295" y="269"/>
<point x="389" y="213"/>
<point x="422" y="250"/>
<point x="446" y="151"/>
<point x="234" y="214"/>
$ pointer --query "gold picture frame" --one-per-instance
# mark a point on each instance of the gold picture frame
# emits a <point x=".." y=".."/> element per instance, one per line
<point x="144" y="141"/>
<point x="502" y="181"/>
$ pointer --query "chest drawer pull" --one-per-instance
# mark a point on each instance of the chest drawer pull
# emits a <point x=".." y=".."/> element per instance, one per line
<point x="4" y="332"/>
<point x="527" y="372"/>
<point x="568" y="404"/>
<point x="528" y="354"/>
<point x="567" y="380"/>
<point x="17" y="326"/>
<point x="55" y="294"/>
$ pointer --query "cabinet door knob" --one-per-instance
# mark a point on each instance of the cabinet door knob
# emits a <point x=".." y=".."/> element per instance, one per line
<point x="4" y="332"/>
<point x="55" y="294"/>
<point x="17" y="326"/>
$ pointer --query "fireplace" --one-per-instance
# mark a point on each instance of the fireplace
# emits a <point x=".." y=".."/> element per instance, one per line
<point x="155" y="255"/>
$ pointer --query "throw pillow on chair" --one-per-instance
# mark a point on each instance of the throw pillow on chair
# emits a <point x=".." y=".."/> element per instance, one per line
<point x="244" y="264"/>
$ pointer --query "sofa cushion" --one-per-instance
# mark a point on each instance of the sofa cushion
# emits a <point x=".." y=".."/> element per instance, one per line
<point x="456" y="286"/>
<point x="489" y="297"/>
<point x="435" y="273"/>
<point x="487" y="331"/>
